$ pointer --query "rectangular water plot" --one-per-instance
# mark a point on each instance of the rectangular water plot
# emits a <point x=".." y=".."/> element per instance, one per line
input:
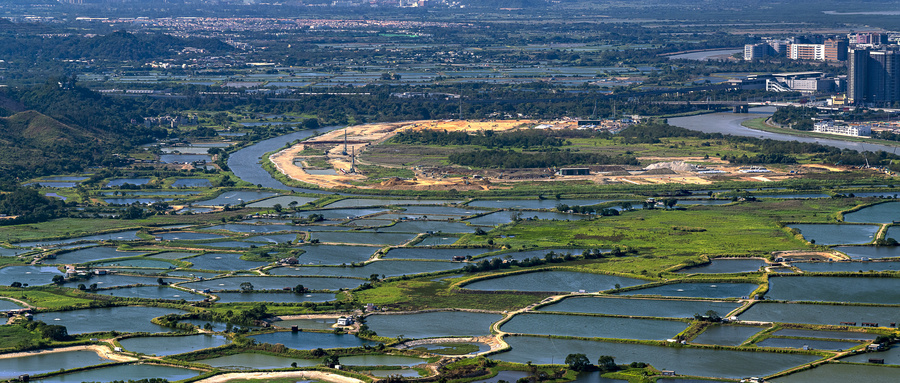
<point x="553" y="281"/>
<point x="272" y="239"/>
<point x="726" y="335"/>
<point x="235" y="198"/>
<point x="881" y="213"/>
<point x="359" y="202"/>
<point x="341" y="214"/>
<point x="533" y="204"/>
<point x="28" y="275"/>
<point x="335" y="254"/>
<point x="593" y="326"/>
<point x="131" y="371"/>
<point x="824" y="334"/>
<point x="136" y="262"/>
<point x="115" y="280"/>
<point x="304" y="340"/>
<point x="285" y="201"/>
<point x="437" y="240"/>
<point x="820" y="314"/>
<point x="192" y="183"/>
<point x="152" y="292"/>
<point x="380" y="268"/>
<point x="699" y="290"/>
<point x="640" y="307"/>
<point x="841" y="373"/>
<point x="249" y="360"/>
<point x="835" y="289"/>
<point x="188" y="236"/>
<point x="869" y="252"/>
<point x="130" y="235"/>
<point x="172" y="345"/>
<point x="852" y="267"/>
<point x="246" y="228"/>
<point x="808" y="344"/>
<point x="381" y="360"/>
<point x="432" y="324"/>
<point x="427" y="226"/>
<point x="223" y="261"/>
<point x="286" y="297"/>
<point x="275" y="283"/>
<point x="42" y="363"/>
<point x="442" y="254"/>
<point x="122" y="319"/>
<point x="725" y="266"/>
<point x="306" y="324"/>
<point x="367" y="238"/>
<point x="837" y="234"/>
<point x="684" y="361"/>
<point x="91" y="254"/>
<point x="130" y="181"/>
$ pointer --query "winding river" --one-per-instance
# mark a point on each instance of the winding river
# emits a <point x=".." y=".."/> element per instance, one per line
<point x="245" y="163"/>
<point x="730" y="123"/>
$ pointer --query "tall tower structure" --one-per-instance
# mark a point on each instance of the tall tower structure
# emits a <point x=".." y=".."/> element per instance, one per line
<point x="874" y="77"/>
<point x="859" y="60"/>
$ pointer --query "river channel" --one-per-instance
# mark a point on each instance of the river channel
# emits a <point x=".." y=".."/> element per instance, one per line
<point x="730" y="123"/>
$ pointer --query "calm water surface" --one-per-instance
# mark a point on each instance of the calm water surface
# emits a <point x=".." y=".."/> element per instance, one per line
<point x="433" y="324"/>
<point x="593" y="326"/>
<point x="38" y="364"/>
<point x="726" y="335"/>
<point x="819" y="314"/>
<point x="553" y="281"/>
<point x="122" y="319"/>
<point x="842" y="373"/>
<point x="257" y="361"/>
<point x="640" y="307"/>
<point x="835" y="234"/>
<point x="311" y="340"/>
<point x="162" y="346"/>
<point x="687" y="361"/>
<point x="835" y="289"/>
<point x="721" y="266"/>
<point x="700" y="290"/>
<point x="127" y="372"/>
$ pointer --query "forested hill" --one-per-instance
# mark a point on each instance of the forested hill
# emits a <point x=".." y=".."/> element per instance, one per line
<point x="118" y="46"/>
<point x="64" y="129"/>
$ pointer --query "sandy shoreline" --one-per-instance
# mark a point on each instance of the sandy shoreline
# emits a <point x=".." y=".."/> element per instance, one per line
<point x="101" y="351"/>
<point x="316" y="375"/>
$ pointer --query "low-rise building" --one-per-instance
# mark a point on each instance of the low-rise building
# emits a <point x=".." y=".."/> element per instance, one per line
<point x="830" y="127"/>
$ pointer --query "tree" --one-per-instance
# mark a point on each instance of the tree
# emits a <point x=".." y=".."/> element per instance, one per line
<point x="15" y="284"/>
<point x="58" y="279"/>
<point x="299" y="289"/>
<point x="246" y="287"/>
<point x="161" y="281"/>
<point x="607" y="363"/>
<point x="578" y="362"/>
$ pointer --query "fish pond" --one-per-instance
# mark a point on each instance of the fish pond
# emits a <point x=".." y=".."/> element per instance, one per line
<point x="699" y="290"/>
<point x="842" y="373"/>
<point x="593" y="326"/>
<point x="304" y="340"/>
<point x="366" y="238"/>
<point x="640" y="307"/>
<point x="869" y="252"/>
<point x="335" y="254"/>
<point x="169" y="345"/>
<point x="381" y="360"/>
<point x="152" y="292"/>
<point x="223" y="261"/>
<point x="819" y="314"/>
<point x="812" y="344"/>
<point x="30" y="275"/>
<point x="443" y="254"/>
<point x="134" y="372"/>
<point x="360" y="202"/>
<point x="726" y="335"/>
<point x="725" y="266"/>
<point x="122" y="319"/>
<point x="824" y="334"/>
<point x="553" y="281"/>
<point x="235" y="198"/>
<point x="684" y="361"/>
<point x="275" y="283"/>
<point x="306" y="324"/>
<point x="881" y="213"/>
<point x="91" y="254"/>
<point x="250" y="360"/>
<point x="836" y="234"/>
<point x="288" y="297"/>
<point x="533" y="204"/>
<point x="432" y="324"/>
<point x="840" y="267"/>
<point x="43" y="363"/>
<point x="890" y="356"/>
<point x="383" y="268"/>
<point x="835" y="289"/>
